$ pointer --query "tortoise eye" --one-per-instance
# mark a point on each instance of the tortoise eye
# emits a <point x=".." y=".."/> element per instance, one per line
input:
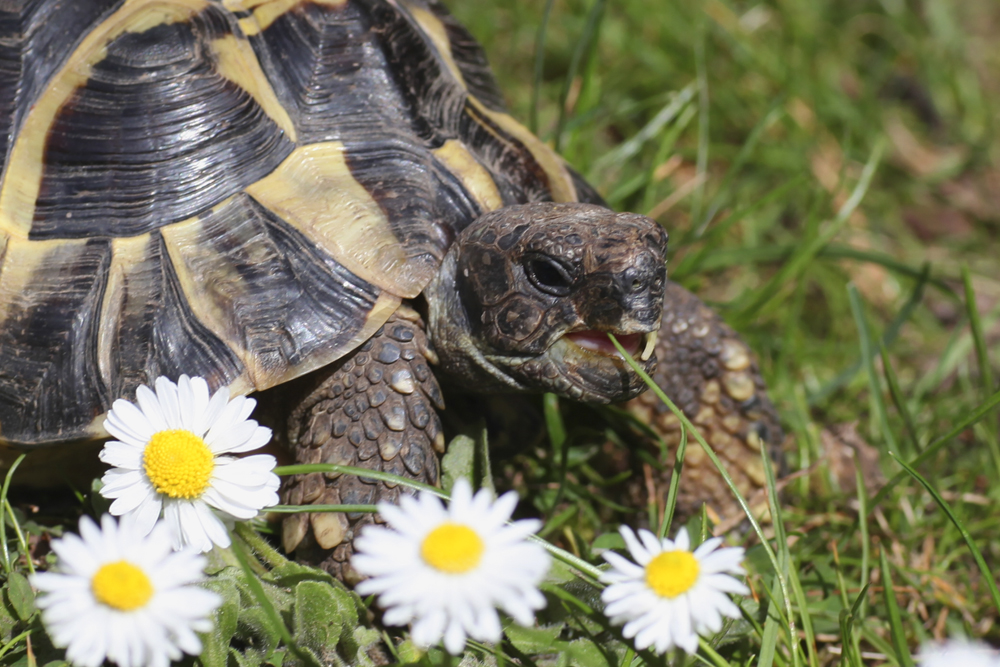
<point x="548" y="275"/>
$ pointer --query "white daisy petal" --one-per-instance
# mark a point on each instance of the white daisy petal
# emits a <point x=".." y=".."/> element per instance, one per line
<point x="639" y="552"/>
<point x="96" y="619"/>
<point x="666" y="602"/>
<point x="445" y="570"/>
<point x="958" y="653"/>
<point x="177" y="473"/>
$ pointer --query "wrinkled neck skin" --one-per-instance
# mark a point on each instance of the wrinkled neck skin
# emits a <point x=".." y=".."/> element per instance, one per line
<point x="524" y="299"/>
<point x="450" y="334"/>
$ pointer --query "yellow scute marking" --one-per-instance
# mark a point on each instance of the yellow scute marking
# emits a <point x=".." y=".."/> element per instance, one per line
<point x="314" y="191"/>
<point x="266" y="12"/>
<point x="24" y="168"/>
<point x="126" y="255"/>
<point x="474" y="176"/>
<point x="236" y="61"/>
<point x="22" y="261"/>
<point x="560" y="182"/>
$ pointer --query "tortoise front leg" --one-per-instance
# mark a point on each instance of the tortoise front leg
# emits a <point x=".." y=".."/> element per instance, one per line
<point x="710" y="373"/>
<point x="375" y="410"/>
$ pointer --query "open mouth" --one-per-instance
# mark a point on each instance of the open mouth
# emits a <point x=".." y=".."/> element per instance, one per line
<point x="641" y="345"/>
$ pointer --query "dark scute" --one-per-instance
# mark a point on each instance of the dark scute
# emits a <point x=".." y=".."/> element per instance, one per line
<point x="156" y="333"/>
<point x="181" y="344"/>
<point x="36" y="37"/>
<point x="50" y="388"/>
<point x="399" y="175"/>
<point x="585" y="192"/>
<point x="518" y="176"/>
<point x="287" y="300"/>
<point x="329" y="65"/>
<point x="471" y="61"/>
<point x="155" y="136"/>
<point x="365" y="74"/>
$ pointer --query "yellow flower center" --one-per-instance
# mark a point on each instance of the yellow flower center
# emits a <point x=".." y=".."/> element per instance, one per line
<point x="178" y="463"/>
<point x="672" y="573"/>
<point x="452" y="548"/>
<point x="122" y="586"/>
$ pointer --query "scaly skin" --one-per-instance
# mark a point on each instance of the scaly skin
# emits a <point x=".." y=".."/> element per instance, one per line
<point x="709" y="372"/>
<point x="511" y="288"/>
<point x="375" y="409"/>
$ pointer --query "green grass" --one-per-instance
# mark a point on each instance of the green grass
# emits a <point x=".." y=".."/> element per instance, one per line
<point x="844" y="227"/>
<point x="817" y="200"/>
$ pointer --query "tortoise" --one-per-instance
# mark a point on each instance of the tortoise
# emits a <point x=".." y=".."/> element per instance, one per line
<point x="255" y="191"/>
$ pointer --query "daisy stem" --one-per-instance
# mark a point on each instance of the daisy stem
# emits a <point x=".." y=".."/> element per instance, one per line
<point x="725" y="475"/>
<point x="713" y="655"/>
<point x="3" y="517"/>
<point x="259" y="545"/>
<point x="591" y="571"/>
<point x="367" y="473"/>
<point x="20" y="535"/>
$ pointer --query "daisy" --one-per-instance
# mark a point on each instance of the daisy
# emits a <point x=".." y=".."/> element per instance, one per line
<point x="446" y="570"/>
<point x="672" y="595"/>
<point x="958" y="652"/>
<point x="170" y="458"/>
<point x="124" y="596"/>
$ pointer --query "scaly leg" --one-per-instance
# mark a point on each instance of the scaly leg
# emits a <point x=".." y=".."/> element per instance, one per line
<point x="710" y="373"/>
<point x="375" y="409"/>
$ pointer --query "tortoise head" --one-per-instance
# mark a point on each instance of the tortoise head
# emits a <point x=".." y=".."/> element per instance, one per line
<point x="526" y="296"/>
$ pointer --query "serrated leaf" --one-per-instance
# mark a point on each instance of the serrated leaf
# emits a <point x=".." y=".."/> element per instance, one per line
<point x="458" y="462"/>
<point x="21" y="597"/>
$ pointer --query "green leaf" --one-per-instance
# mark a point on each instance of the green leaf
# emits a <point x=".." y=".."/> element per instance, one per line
<point x="7" y="622"/>
<point x="320" y="618"/>
<point x="291" y="573"/>
<point x="543" y="639"/>
<point x="608" y="541"/>
<point x="586" y="653"/>
<point x="216" y="651"/>
<point x="22" y="598"/>
<point x="458" y="462"/>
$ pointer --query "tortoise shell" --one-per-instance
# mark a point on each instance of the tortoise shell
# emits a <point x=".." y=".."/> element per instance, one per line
<point x="239" y="189"/>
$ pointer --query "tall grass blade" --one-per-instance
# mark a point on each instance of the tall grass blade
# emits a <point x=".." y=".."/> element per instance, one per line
<point x="675" y="484"/>
<point x="765" y="544"/>
<point x="988" y="576"/>
<point x="981" y="411"/>
<point x="536" y="84"/>
<point x="807" y="253"/>
<point x="868" y="360"/>
<point x="584" y="51"/>
<point x="896" y="631"/>
<point x="985" y="368"/>
<point x="899" y="401"/>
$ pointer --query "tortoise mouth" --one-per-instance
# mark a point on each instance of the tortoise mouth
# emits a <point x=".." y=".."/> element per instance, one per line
<point x="639" y="345"/>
